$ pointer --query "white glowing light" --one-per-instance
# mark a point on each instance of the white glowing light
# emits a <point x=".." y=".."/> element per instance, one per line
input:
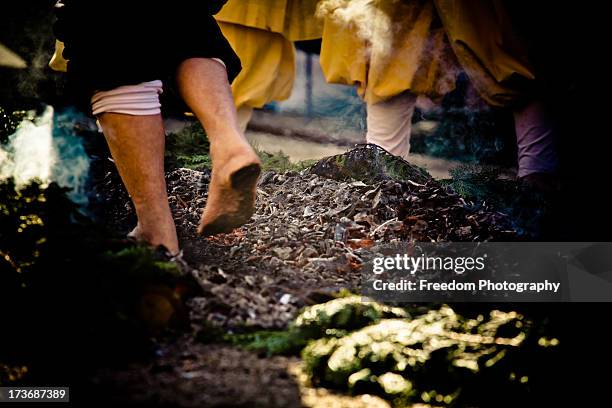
<point x="34" y="153"/>
<point x="30" y="154"/>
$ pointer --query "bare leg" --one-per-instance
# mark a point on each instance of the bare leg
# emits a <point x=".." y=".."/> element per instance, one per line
<point x="245" y="113"/>
<point x="137" y="146"/>
<point x="205" y="88"/>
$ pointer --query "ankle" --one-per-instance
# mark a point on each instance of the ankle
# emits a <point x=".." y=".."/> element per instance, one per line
<point x="220" y="153"/>
<point x="157" y="234"/>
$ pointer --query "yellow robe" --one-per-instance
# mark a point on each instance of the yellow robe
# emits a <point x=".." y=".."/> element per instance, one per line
<point x="294" y="19"/>
<point x="58" y="63"/>
<point x="268" y="65"/>
<point x="491" y="54"/>
<point x="422" y="58"/>
<point x="261" y="33"/>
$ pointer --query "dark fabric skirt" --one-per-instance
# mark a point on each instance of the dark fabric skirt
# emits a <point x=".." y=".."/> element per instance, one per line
<point x="110" y="43"/>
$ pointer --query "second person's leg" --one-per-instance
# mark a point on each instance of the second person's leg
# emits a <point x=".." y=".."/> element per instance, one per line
<point x="390" y="123"/>
<point x="537" y="150"/>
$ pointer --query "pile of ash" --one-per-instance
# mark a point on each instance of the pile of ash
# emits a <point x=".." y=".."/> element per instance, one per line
<point x="310" y="233"/>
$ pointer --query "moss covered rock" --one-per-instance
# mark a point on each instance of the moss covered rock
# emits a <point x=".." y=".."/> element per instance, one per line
<point x="370" y="164"/>
<point x="340" y="316"/>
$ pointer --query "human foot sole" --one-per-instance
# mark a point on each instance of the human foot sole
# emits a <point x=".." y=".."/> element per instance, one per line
<point x="232" y="203"/>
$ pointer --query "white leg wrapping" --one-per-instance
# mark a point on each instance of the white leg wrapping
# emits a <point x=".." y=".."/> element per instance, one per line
<point x="390" y="123"/>
<point x="138" y="100"/>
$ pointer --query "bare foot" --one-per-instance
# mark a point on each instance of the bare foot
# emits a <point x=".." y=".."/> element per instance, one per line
<point x="231" y="193"/>
<point x="170" y="243"/>
<point x="136" y="234"/>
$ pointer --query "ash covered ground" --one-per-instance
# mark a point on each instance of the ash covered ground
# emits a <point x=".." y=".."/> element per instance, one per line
<point x="309" y="234"/>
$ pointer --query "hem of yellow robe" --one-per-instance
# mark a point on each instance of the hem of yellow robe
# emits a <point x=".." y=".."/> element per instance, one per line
<point x="417" y="59"/>
<point x="294" y="19"/>
<point x="268" y="65"/>
<point x="487" y="48"/>
<point x="426" y="61"/>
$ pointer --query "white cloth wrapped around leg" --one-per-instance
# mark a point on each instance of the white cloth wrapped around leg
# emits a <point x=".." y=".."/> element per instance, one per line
<point x="390" y="123"/>
<point x="138" y="100"/>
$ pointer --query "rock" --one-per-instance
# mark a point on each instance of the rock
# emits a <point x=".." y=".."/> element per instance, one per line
<point x="283" y="252"/>
<point x="369" y="164"/>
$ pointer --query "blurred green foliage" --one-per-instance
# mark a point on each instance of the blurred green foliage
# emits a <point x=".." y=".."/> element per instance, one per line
<point x="189" y="148"/>
<point x="421" y="359"/>
<point x="418" y="354"/>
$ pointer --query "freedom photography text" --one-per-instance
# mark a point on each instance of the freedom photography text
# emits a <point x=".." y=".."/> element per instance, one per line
<point x="407" y="268"/>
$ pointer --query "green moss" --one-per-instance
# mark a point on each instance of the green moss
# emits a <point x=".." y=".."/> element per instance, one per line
<point x="369" y="164"/>
<point x="281" y="163"/>
<point x="284" y="342"/>
<point x="416" y="355"/>
<point x="402" y="358"/>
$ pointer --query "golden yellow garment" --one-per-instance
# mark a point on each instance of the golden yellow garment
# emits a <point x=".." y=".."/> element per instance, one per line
<point x="10" y="59"/>
<point x="483" y="40"/>
<point x="399" y="52"/>
<point x="268" y="65"/>
<point x="300" y="21"/>
<point x="58" y="63"/>
<point x="417" y="56"/>
<point x="261" y="33"/>
<point x="294" y="19"/>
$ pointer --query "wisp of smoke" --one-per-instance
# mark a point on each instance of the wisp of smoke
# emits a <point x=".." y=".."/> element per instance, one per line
<point x="40" y="151"/>
<point x="371" y="23"/>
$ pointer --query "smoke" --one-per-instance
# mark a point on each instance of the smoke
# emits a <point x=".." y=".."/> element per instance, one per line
<point x="370" y="22"/>
<point x="29" y="154"/>
<point x="40" y="151"/>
